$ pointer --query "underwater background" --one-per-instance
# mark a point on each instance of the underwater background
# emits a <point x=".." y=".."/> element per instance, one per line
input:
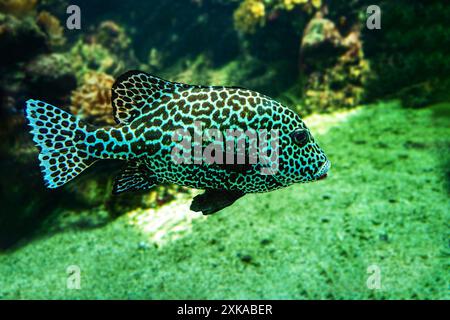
<point x="377" y="100"/>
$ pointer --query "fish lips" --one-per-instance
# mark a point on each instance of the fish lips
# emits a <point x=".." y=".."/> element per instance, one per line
<point x="323" y="171"/>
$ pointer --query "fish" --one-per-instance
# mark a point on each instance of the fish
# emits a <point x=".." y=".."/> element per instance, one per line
<point x="149" y="111"/>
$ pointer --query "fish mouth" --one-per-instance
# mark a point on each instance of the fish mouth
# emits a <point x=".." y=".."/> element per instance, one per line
<point x="323" y="171"/>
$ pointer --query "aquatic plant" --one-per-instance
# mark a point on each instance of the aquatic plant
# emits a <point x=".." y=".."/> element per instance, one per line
<point x="92" y="100"/>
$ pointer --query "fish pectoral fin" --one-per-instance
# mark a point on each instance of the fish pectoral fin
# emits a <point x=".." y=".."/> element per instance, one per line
<point x="135" y="176"/>
<point x="212" y="201"/>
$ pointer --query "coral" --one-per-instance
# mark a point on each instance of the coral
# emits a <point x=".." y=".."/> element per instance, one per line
<point x="107" y="49"/>
<point x="52" y="27"/>
<point x="18" y="8"/>
<point x="290" y="4"/>
<point x="253" y="13"/>
<point x="306" y="5"/>
<point x="249" y="15"/>
<point x="92" y="100"/>
<point x="339" y="86"/>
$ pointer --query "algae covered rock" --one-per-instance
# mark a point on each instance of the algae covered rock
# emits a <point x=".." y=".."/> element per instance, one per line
<point x="51" y="78"/>
<point x="21" y="39"/>
<point x="332" y="65"/>
<point x="321" y="45"/>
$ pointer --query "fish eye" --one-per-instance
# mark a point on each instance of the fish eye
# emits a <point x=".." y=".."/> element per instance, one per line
<point x="300" y="137"/>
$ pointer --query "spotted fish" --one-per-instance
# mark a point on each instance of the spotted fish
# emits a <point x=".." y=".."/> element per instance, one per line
<point x="148" y="110"/>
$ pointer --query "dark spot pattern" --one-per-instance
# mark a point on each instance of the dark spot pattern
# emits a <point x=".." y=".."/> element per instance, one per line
<point x="164" y="106"/>
<point x="149" y="110"/>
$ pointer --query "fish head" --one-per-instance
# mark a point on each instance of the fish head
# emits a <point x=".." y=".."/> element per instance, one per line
<point x="306" y="161"/>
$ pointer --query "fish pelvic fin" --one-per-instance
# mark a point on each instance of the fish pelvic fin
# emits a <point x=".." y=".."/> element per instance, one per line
<point x="212" y="201"/>
<point x="135" y="176"/>
<point x="60" y="138"/>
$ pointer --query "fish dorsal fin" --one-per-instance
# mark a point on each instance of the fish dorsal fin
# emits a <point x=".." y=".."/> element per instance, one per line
<point x="135" y="176"/>
<point x="134" y="92"/>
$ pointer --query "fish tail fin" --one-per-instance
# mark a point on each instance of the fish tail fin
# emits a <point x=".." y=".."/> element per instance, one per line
<point x="61" y="139"/>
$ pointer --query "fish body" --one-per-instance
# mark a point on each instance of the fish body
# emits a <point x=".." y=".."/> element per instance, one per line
<point x="149" y="111"/>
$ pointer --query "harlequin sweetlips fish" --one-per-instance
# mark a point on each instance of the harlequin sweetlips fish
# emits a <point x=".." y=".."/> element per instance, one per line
<point x="148" y="110"/>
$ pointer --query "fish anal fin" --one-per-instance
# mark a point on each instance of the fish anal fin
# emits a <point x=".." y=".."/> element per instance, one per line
<point x="135" y="176"/>
<point x="212" y="201"/>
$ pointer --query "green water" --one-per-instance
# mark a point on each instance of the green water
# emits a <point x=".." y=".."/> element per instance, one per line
<point x="377" y="101"/>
